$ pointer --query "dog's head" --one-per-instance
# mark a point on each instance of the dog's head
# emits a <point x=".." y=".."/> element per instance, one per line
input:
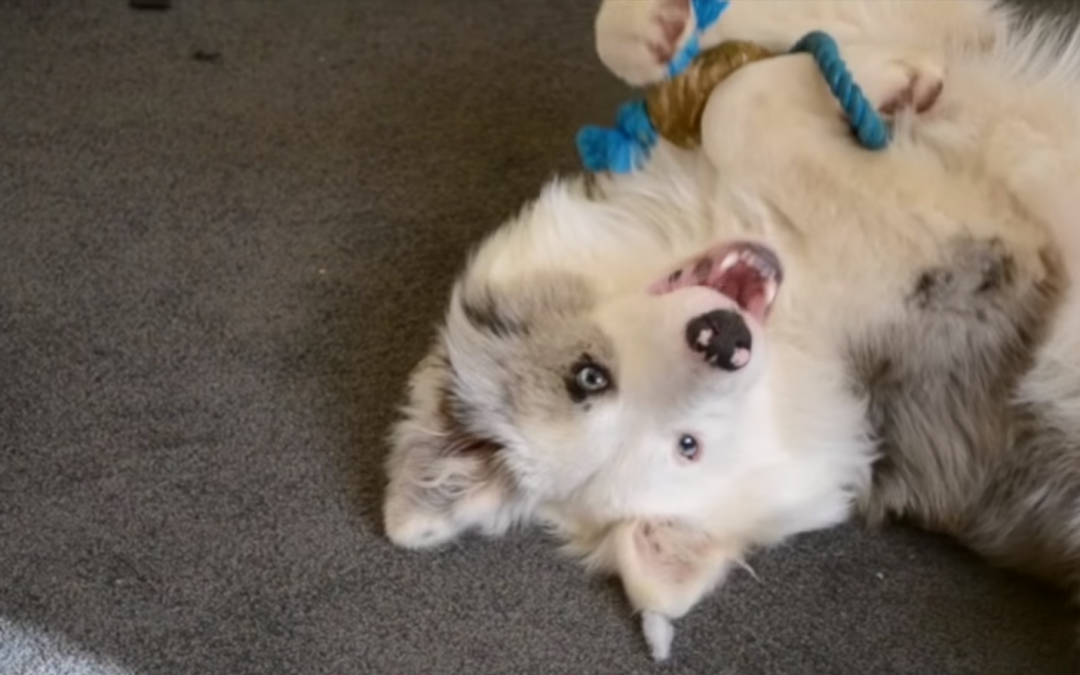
<point x="610" y="398"/>
<point x="624" y="402"/>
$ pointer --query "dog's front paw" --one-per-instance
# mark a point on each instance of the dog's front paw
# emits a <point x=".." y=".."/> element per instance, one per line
<point x="896" y="82"/>
<point x="420" y="530"/>
<point x="925" y="82"/>
<point x="430" y="505"/>
<point x="637" y="39"/>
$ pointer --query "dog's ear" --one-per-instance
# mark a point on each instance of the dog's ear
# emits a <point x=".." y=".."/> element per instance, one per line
<point x="443" y="478"/>
<point x="667" y="566"/>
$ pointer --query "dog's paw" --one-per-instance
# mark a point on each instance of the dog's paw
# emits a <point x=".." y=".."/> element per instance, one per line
<point x="896" y="82"/>
<point x="445" y="499"/>
<point x="416" y="528"/>
<point x="925" y="82"/>
<point x="637" y="39"/>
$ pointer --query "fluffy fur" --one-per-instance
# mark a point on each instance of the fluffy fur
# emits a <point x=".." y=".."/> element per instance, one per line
<point x="921" y="360"/>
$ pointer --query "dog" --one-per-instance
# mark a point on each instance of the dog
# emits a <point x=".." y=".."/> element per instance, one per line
<point x="736" y="344"/>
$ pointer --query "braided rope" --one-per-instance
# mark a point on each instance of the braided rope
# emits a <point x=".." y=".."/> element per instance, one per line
<point x="869" y="128"/>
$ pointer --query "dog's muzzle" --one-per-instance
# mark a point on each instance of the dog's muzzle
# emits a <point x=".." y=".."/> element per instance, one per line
<point x="721" y="337"/>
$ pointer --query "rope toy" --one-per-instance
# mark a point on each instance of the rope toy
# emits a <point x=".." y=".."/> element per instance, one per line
<point x="673" y="109"/>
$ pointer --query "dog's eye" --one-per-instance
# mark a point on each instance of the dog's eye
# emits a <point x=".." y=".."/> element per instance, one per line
<point x="592" y="379"/>
<point x="688" y="447"/>
<point x="587" y="378"/>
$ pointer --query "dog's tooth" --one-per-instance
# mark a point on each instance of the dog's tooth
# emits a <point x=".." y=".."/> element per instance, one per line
<point x="729" y="261"/>
<point x="771" y="289"/>
<point x="765" y="268"/>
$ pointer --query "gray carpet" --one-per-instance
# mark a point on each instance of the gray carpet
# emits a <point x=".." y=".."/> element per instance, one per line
<point x="216" y="270"/>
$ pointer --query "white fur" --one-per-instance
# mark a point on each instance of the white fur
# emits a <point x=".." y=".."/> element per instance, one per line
<point x="786" y="447"/>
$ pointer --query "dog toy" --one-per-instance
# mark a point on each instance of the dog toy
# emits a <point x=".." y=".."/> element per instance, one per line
<point x="706" y="13"/>
<point x="673" y="109"/>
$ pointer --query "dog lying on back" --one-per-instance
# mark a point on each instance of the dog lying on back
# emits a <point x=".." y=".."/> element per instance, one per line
<point x="729" y="347"/>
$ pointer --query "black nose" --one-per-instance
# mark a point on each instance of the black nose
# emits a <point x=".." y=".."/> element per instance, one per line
<point x="722" y="337"/>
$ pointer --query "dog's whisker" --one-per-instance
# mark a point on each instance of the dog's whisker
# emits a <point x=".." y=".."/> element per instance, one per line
<point x="746" y="566"/>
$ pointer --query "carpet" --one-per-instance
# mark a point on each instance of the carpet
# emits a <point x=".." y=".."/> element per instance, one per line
<point x="226" y="232"/>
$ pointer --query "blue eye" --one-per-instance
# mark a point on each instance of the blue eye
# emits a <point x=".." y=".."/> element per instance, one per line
<point x="591" y="379"/>
<point x="588" y="378"/>
<point x="688" y="447"/>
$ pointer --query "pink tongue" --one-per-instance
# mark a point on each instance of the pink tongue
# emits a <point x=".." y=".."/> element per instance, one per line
<point x="757" y="307"/>
<point x="745" y="286"/>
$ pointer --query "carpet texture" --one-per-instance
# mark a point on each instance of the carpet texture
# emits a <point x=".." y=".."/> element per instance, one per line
<point x="227" y="232"/>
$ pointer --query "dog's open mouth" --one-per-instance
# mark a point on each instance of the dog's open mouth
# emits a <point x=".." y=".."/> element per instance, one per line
<point x="747" y="272"/>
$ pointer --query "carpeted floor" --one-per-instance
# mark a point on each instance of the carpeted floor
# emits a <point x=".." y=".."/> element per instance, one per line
<point x="226" y="231"/>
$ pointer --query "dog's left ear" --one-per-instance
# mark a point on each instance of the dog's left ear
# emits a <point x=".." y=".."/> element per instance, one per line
<point x="667" y="566"/>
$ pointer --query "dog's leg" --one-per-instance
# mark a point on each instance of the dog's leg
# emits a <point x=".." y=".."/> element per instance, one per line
<point x="779" y="112"/>
<point x="1026" y="516"/>
<point x="443" y="480"/>
<point x="637" y="39"/>
<point x="432" y="499"/>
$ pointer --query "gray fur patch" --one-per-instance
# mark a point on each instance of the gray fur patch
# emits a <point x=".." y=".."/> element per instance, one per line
<point x="484" y="314"/>
<point x="959" y="456"/>
<point x="530" y="335"/>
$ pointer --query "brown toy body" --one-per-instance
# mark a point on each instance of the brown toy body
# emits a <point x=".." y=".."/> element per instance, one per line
<point x="676" y="106"/>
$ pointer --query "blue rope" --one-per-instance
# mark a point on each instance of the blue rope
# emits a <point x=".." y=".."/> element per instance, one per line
<point x="868" y="126"/>
<point x="706" y="13"/>
<point x="625" y="147"/>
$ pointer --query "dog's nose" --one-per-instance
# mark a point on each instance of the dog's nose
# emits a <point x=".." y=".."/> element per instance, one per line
<point x="722" y="337"/>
